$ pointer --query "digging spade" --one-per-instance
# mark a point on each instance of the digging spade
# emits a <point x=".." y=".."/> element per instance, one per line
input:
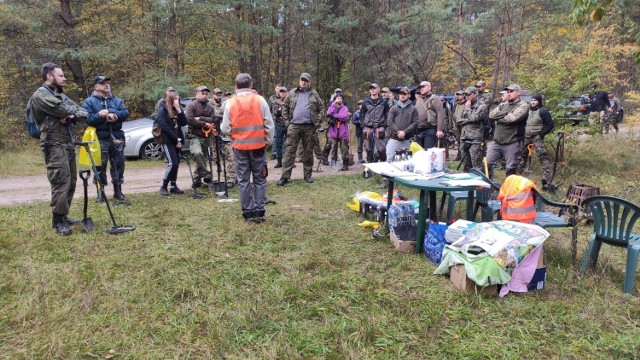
<point x="87" y="222"/>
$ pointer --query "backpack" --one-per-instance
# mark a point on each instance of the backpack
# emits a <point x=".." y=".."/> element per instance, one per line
<point x="32" y="125"/>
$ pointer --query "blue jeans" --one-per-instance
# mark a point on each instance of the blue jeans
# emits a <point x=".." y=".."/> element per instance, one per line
<point x="281" y="134"/>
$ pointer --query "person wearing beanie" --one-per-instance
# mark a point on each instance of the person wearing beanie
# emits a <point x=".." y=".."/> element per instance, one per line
<point x="539" y="124"/>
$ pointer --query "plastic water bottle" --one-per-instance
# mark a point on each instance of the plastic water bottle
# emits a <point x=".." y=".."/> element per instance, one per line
<point x="397" y="156"/>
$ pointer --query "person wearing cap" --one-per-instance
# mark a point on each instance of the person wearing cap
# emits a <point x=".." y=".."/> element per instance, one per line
<point x="359" y="131"/>
<point x="483" y="95"/>
<point x="248" y="121"/>
<point x="338" y="133"/>
<point x="539" y="123"/>
<point x="510" y="117"/>
<point x="303" y="110"/>
<point x="402" y="123"/>
<point x="458" y="104"/>
<point x="107" y="113"/>
<point x="614" y="113"/>
<point x="432" y="117"/>
<point x="373" y="115"/>
<point x="216" y="101"/>
<point x="281" y="128"/>
<point x="200" y="116"/>
<point x="227" y="95"/>
<point x="388" y="96"/>
<point x="470" y="121"/>
<point x="55" y="114"/>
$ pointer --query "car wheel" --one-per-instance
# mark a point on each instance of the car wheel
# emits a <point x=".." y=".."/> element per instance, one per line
<point x="151" y="150"/>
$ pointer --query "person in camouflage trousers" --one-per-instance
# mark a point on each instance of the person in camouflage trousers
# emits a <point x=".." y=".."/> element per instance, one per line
<point x="303" y="110"/>
<point x="225" y="149"/>
<point x="55" y="115"/>
<point x="200" y="114"/>
<point x="470" y="121"/>
<point x="612" y="116"/>
<point x="510" y="117"/>
<point x="539" y="124"/>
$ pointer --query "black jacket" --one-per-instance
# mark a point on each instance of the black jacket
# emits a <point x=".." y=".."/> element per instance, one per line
<point x="171" y="127"/>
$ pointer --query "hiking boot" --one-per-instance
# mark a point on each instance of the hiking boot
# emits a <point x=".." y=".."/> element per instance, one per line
<point x="279" y="164"/>
<point x="282" y="181"/>
<point x="100" y="199"/>
<point x="273" y="156"/>
<point x="60" y="225"/>
<point x="308" y="180"/>
<point x="119" y="196"/>
<point x="176" y="190"/>
<point x="344" y="168"/>
<point x="164" y="191"/>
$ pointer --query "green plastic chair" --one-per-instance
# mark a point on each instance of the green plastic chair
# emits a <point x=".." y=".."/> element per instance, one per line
<point x="613" y="221"/>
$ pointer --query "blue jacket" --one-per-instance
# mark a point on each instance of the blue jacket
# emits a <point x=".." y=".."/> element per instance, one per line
<point x="94" y="103"/>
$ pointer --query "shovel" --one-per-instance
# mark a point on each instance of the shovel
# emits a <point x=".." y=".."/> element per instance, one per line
<point x="87" y="222"/>
<point x="529" y="157"/>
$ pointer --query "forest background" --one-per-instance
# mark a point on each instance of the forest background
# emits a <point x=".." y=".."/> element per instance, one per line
<point x="558" y="47"/>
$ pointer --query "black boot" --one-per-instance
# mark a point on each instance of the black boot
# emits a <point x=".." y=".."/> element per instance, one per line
<point x="119" y="196"/>
<point x="163" y="189"/>
<point x="345" y="165"/>
<point x="100" y="199"/>
<point x="360" y="159"/>
<point x="60" y="225"/>
<point x="175" y="189"/>
<point x="279" y="164"/>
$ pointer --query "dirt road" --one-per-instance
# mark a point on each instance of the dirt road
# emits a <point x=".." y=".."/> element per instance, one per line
<point x="28" y="189"/>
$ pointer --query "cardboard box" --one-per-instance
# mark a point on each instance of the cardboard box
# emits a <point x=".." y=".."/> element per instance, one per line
<point x="403" y="246"/>
<point x="462" y="282"/>
<point x="540" y="276"/>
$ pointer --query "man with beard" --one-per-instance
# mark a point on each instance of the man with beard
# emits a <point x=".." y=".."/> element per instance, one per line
<point x="539" y="124"/>
<point x="200" y="114"/>
<point x="373" y="115"/>
<point x="55" y="114"/>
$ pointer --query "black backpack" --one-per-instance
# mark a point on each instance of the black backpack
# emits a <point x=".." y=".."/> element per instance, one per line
<point x="32" y="126"/>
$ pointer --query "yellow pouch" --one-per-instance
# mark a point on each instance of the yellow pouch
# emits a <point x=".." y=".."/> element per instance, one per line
<point x="354" y="205"/>
<point x="370" y="224"/>
<point x="415" y="147"/>
<point x="91" y="136"/>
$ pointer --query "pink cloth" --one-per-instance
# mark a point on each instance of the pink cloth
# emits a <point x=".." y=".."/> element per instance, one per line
<point x="522" y="274"/>
<point x="341" y="114"/>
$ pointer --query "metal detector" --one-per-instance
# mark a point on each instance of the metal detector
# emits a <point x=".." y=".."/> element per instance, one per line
<point x="115" y="229"/>
<point x="194" y="186"/>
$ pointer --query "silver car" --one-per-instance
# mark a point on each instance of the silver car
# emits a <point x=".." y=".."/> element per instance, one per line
<point x="140" y="142"/>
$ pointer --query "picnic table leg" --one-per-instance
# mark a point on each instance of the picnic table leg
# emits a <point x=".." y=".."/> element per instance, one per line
<point x="470" y="201"/>
<point x="422" y="219"/>
<point x="389" y="201"/>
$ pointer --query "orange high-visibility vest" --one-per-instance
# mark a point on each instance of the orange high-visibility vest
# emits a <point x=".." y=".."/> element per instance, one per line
<point x="516" y="197"/>
<point x="247" y="123"/>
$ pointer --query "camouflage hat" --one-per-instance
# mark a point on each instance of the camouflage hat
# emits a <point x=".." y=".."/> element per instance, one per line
<point x="513" y="87"/>
<point x="471" y="90"/>
<point x="202" y="88"/>
<point x="217" y="91"/>
<point x="385" y="89"/>
<point x="481" y="83"/>
<point x="460" y="92"/>
<point x="170" y="88"/>
<point x="424" y="83"/>
<point x="374" y="85"/>
<point x="337" y="90"/>
<point x="404" y="90"/>
<point x="305" y="76"/>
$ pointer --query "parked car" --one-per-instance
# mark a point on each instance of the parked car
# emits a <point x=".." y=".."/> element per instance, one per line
<point x="140" y="142"/>
<point x="576" y="109"/>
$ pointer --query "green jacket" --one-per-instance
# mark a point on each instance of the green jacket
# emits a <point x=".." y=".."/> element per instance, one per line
<point x="471" y="121"/>
<point x="510" y="120"/>
<point x="315" y="102"/>
<point x="48" y="108"/>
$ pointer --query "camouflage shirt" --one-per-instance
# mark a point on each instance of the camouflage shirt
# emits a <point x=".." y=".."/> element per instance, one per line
<point x="48" y="108"/>
<point x="471" y="122"/>
<point x="316" y="107"/>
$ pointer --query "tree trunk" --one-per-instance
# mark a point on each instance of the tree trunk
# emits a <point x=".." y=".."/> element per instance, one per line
<point x="71" y="41"/>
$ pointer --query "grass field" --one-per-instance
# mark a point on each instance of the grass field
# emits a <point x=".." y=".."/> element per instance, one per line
<point x="194" y="281"/>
